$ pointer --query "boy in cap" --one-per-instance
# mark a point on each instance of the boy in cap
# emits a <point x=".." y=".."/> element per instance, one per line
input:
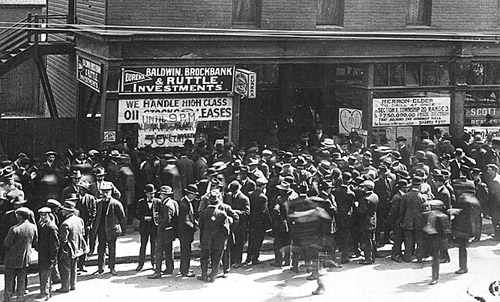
<point x="48" y="249"/>
<point x="19" y="241"/>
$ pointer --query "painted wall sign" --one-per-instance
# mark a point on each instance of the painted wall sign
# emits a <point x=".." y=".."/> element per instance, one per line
<point x="349" y="119"/>
<point x="89" y="73"/>
<point x="208" y="109"/>
<point x="177" y="80"/>
<point x="411" y="111"/>
<point x="487" y="116"/>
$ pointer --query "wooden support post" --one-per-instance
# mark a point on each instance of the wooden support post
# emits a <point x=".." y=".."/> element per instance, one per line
<point x="47" y="90"/>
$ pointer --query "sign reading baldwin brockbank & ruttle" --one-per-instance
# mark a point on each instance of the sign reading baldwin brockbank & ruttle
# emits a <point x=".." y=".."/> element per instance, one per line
<point x="177" y="80"/>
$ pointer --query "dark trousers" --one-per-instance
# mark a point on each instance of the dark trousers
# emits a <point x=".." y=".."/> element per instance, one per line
<point x="382" y="214"/>
<point x="164" y="249"/>
<point x="213" y="256"/>
<point x="13" y="275"/>
<point x="45" y="273"/>
<point x="281" y="246"/>
<point x="398" y="236"/>
<point x="368" y="244"/>
<point x="101" y="249"/>
<point x="236" y="247"/>
<point x="145" y="237"/>
<point x="413" y="237"/>
<point x="83" y="258"/>
<point x="436" y="243"/>
<point x="343" y="236"/>
<point x="67" y="268"/>
<point x="185" y="256"/>
<point x="462" y="252"/>
<point x="255" y="239"/>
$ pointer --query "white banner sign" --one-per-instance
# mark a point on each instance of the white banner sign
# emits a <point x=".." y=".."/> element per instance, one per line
<point x="166" y="130"/>
<point x="206" y="108"/>
<point x="411" y="111"/>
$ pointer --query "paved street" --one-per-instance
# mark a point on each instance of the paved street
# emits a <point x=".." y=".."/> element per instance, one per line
<point x="384" y="281"/>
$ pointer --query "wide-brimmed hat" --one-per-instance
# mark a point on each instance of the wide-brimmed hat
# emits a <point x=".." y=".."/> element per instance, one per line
<point x="166" y="190"/>
<point x="50" y="152"/>
<point x="76" y="174"/>
<point x="114" y="153"/>
<point x="99" y="171"/>
<point x="396" y="155"/>
<point x="19" y="199"/>
<point x="69" y="205"/>
<point x="284" y="185"/>
<point x="328" y="143"/>
<point x="219" y="166"/>
<point x="191" y="188"/>
<point x="149" y="188"/>
<point x="325" y="167"/>
<point x="420" y="154"/>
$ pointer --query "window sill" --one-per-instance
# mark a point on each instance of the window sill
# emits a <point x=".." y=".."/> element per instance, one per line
<point x="329" y="27"/>
<point x="418" y="27"/>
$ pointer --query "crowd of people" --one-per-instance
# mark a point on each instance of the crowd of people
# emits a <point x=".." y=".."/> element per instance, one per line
<point x="325" y="204"/>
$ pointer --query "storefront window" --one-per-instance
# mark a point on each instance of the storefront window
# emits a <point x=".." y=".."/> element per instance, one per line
<point x="412" y="74"/>
<point x="349" y="75"/>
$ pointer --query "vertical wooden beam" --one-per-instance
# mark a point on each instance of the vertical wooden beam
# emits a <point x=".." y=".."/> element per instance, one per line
<point x="47" y="90"/>
<point x="234" y="124"/>
<point x="367" y="119"/>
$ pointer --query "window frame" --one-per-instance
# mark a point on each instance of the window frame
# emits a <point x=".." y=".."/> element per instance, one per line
<point x="258" y="13"/>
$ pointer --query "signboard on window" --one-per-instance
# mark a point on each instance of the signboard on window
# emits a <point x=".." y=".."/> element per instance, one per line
<point x="208" y="109"/>
<point x="176" y="80"/>
<point x="349" y="120"/>
<point x="484" y="116"/>
<point x="166" y="130"/>
<point x="89" y="73"/>
<point x="411" y="111"/>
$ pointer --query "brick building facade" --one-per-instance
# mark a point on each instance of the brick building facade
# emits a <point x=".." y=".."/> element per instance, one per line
<point x="314" y="60"/>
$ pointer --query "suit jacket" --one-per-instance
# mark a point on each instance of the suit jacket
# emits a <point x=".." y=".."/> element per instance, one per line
<point x="443" y="194"/>
<point x="48" y="243"/>
<point x="344" y="197"/>
<point x="18" y="243"/>
<point x="405" y="154"/>
<point x="143" y="210"/>
<point x="259" y="212"/>
<point x="187" y="223"/>
<point x="72" y="237"/>
<point x="410" y="212"/>
<point x="166" y="215"/>
<point x="240" y="204"/>
<point x="187" y="171"/>
<point x="368" y="211"/>
<point x="248" y="187"/>
<point x="87" y="209"/>
<point x="94" y="190"/>
<point x="114" y="219"/>
<point x="68" y="190"/>
<point x="214" y="228"/>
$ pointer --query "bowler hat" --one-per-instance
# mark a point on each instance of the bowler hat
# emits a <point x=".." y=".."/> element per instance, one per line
<point x="114" y="153"/>
<point x="284" y="185"/>
<point x="396" y="155"/>
<point x="166" y="190"/>
<point x="149" y="188"/>
<point x="191" y="188"/>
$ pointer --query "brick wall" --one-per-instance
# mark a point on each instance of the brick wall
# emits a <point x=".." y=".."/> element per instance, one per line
<point x="360" y="15"/>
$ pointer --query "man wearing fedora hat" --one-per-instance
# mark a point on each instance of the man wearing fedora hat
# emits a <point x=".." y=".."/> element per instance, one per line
<point x="95" y="187"/>
<point x="187" y="227"/>
<point x="19" y="241"/>
<point x="214" y="231"/>
<point x="394" y="220"/>
<point x="10" y="219"/>
<point x="108" y="225"/>
<point x="344" y="197"/>
<point x="259" y="221"/>
<point x="403" y="150"/>
<point x="247" y="184"/>
<point x="367" y="210"/>
<point x="76" y="176"/>
<point x="73" y="244"/>
<point x="411" y="220"/>
<point x="147" y="227"/>
<point x="86" y="206"/>
<point x="240" y="204"/>
<point x="165" y="216"/>
<point x="48" y="249"/>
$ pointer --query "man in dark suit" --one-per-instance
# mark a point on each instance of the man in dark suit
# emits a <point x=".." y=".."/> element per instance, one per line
<point x="214" y="231"/>
<point x="241" y="206"/>
<point x="368" y="221"/>
<point x="344" y="197"/>
<point x="87" y="210"/>
<point x="187" y="169"/>
<point x="147" y="227"/>
<point x="95" y="187"/>
<point x="19" y="241"/>
<point x="259" y="220"/>
<point x="187" y="228"/>
<point x="165" y="215"/>
<point x="411" y="220"/>
<point x="73" y="244"/>
<point x="247" y="185"/>
<point x="76" y="176"/>
<point x="403" y="150"/>
<point x="108" y="225"/>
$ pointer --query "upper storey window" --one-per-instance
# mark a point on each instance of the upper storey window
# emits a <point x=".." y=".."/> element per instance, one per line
<point x="246" y="13"/>
<point x="330" y="12"/>
<point x="418" y="12"/>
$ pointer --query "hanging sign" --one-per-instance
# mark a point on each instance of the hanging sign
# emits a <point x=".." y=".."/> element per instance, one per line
<point x="411" y="111"/>
<point x="176" y="80"/>
<point x="166" y="130"/>
<point x="207" y="109"/>
<point x="349" y="120"/>
<point x="245" y="83"/>
<point x="89" y="73"/>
